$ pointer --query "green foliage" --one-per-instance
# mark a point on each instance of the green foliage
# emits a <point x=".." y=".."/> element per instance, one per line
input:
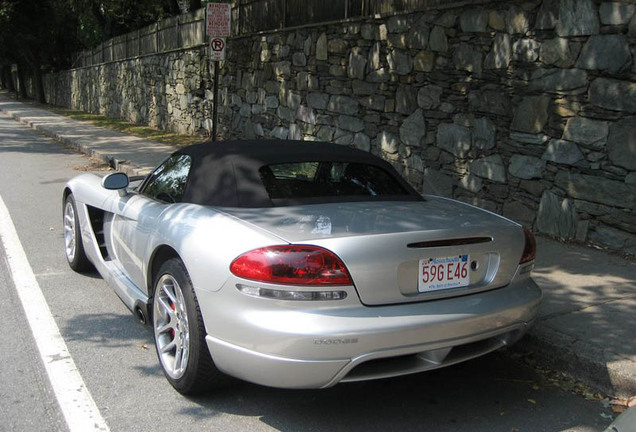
<point x="43" y="34"/>
<point x="36" y="33"/>
<point x="100" y="20"/>
<point x="51" y="30"/>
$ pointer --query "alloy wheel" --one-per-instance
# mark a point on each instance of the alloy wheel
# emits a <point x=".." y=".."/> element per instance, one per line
<point x="170" y="322"/>
<point x="70" y="239"/>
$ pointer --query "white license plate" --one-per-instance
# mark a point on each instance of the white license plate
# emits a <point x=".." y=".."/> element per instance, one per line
<point x="444" y="273"/>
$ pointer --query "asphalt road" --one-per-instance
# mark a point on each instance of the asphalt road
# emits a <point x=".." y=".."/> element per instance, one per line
<point x="115" y="355"/>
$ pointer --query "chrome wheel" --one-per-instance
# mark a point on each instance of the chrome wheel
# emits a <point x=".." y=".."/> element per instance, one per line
<point x="73" y="247"/>
<point x="180" y="332"/>
<point x="170" y="322"/>
<point x="70" y="239"/>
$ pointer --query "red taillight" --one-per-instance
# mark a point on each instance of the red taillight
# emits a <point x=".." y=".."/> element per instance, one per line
<point x="530" y="248"/>
<point x="294" y="265"/>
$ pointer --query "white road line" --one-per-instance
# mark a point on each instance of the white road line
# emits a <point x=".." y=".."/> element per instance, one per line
<point x="75" y="401"/>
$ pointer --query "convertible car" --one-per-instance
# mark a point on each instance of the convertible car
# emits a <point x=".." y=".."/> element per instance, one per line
<point x="300" y="265"/>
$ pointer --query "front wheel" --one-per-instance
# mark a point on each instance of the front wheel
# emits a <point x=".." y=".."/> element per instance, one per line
<point x="179" y="331"/>
<point x="73" y="246"/>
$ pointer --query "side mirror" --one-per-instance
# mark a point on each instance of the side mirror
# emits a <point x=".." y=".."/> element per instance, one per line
<point x="116" y="181"/>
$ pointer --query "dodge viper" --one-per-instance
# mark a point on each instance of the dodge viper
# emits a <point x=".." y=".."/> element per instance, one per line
<point x="300" y="265"/>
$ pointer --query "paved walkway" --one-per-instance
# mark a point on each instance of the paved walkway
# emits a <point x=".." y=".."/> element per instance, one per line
<point x="587" y="323"/>
<point x="133" y="155"/>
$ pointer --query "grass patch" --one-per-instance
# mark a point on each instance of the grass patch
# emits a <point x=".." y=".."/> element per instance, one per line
<point x="122" y="126"/>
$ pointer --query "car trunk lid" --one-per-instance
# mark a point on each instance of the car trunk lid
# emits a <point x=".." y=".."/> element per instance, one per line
<point x="389" y="247"/>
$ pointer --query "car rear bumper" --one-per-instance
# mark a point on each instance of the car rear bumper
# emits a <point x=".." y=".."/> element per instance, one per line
<point x="290" y="347"/>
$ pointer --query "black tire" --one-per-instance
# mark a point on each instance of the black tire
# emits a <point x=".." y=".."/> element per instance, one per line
<point x="73" y="246"/>
<point x="178" y="328"/>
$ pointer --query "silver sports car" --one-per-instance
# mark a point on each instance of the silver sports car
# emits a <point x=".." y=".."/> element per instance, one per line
<point x="300" y="265"/>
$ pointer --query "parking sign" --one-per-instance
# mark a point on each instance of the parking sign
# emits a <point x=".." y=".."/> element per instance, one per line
<point x="217" y="48"/>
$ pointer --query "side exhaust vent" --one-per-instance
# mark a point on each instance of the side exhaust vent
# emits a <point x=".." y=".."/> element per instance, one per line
<point x="449" y="242"/>
<point x="97" y="223"/>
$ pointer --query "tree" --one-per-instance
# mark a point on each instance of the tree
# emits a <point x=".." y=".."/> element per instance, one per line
<point x="42" y="35"/>
<point x="36" y="35"/>
<point x="100" y="20"/>
<point x="186" y="6"/>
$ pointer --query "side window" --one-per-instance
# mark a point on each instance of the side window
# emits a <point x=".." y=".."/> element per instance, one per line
<point x="167" y="183"/>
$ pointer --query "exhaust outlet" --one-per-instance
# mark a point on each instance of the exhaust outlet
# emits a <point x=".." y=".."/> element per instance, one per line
<point x="141" y="316"/>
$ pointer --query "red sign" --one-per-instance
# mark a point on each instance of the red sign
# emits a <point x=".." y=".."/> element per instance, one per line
<point x="218" y="19"/>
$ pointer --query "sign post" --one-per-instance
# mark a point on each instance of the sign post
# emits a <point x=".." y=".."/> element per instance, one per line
<point x="218" y="19"/>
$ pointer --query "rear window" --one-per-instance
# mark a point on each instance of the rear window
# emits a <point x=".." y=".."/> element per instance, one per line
<point x="328" y="179"/>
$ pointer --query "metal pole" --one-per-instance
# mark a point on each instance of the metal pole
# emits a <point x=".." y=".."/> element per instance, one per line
<point x="178" y="33"/>
<point x="284" y="14"/>
<point x="238" y="19"/>
<point x="215" y="102"/>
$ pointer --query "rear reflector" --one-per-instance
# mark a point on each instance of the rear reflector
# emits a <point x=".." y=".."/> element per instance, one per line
<point x="530" y="248"/>
<point x="291" y="265"/>
<point x="278" y="294"/>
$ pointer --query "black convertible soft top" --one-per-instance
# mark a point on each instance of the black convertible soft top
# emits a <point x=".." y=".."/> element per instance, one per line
<point x="226" y="173"/>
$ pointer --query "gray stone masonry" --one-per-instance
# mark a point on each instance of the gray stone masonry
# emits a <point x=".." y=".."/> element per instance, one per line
<point x="524" y="108"/>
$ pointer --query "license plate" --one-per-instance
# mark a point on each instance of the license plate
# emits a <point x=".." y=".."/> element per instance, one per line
<point x="444" y="273"/>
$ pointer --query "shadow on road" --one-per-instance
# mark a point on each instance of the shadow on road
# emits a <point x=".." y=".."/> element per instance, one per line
<point x="494" y="393"/>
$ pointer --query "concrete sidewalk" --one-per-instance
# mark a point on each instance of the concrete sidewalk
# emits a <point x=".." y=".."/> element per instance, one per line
<point x="587" y="324"/>
<point x="130" y="154"/>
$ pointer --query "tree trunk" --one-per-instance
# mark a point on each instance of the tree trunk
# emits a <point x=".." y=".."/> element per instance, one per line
<point x="38" y="85"/>
<point x="7" y="79"/>
<point x="21" y="91"/>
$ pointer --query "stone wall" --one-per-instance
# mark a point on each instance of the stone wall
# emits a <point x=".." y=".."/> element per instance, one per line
<point x="523" y="108"/>
<point x="170" y="91"/>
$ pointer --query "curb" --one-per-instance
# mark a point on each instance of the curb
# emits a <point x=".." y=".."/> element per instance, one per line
<point x="76" y="144"/>
<point x="594" y="366"/>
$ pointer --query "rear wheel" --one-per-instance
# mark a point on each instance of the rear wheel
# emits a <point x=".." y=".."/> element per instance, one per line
<point x="73" y="246"/>
<point x="179" y="331"/>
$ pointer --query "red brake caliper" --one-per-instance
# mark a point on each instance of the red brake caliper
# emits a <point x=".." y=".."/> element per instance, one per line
<point x="174" y="308"/>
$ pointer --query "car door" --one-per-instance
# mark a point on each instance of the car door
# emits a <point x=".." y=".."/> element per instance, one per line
<point x="135" y="223"/>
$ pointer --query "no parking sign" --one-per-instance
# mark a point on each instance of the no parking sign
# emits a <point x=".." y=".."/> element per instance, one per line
<point x="217" y="48"/>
